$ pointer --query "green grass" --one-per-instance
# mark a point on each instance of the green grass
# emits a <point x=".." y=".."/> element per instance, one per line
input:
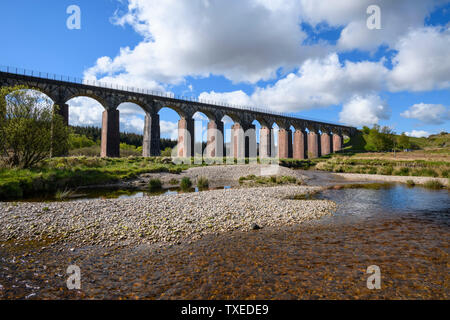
<point x="63" y="195"/>
<point x="61" y="173"/>
<point x="185" y="183"/>
<point x="433" y="184"/>
<point x="253" y="180"/>
<point x="304" y="196"/>
<point x="433" y="141"/>
<point x="154" y="184"/>
<point x="410" y="183"/>
<point x="202" y="183"/>
<point x="421" y="168"/>
<point x="358" y="142"/>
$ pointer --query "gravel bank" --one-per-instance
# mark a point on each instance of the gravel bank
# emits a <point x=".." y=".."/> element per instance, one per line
<point x="377" y="177"/>
<point x="159" y="219"/>
<point x="217" y="175"/>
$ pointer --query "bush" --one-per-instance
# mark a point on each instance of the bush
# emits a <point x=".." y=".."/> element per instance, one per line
<point x="425" y="173"/>
<point x="410" y="183"/>
<point x="185" y="183"/>
<point x="173" y="181"/>
<point x="167" y="152"/>
<point x="433" y="184"/>
<point x="286" y="179"/>
<point x="445" y="173"/>
<point x="202" y="183"/>
<point x="30" y="130"/>
<point x="372" y="170"/>
<point x="402" y="172"/>
<point x="387" y="171"/>
<point x="154" y="184"/>
<point x="175" y="170"/>
<point x="77" y="141"/>
<point x="93" y="151"/>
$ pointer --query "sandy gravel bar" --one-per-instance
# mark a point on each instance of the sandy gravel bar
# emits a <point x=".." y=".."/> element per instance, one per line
<point x="377" y="177"/>
<point x="159" y="219"/>
<point x="219" y="175"/>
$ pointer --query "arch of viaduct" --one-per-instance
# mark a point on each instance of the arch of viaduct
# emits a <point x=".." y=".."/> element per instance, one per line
<point x="321" y="139"/>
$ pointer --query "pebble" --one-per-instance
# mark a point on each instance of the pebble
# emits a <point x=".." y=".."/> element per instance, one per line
<point x="169" y="219"/>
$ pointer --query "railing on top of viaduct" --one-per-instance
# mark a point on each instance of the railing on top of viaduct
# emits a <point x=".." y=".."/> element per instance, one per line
<point x="95" y="83"/>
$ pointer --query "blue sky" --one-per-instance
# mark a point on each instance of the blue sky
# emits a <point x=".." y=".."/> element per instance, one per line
<point x="316" y="59"/>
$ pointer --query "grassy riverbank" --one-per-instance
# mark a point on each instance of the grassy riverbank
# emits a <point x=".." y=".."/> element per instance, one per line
<point x="72" y="172"/>
<point x="355" y="164"/>
<point x="61" y="173"/>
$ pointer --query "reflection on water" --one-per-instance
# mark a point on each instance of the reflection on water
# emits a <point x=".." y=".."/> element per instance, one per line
<point x="397" y="201"/>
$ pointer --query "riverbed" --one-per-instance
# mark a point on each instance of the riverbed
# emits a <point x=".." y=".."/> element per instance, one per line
<point x="404" y="231"/>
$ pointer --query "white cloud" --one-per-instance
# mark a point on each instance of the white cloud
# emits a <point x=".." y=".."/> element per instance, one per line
<point x="129" y="108"/>
<point x="131" y="124"/>
<point x="235" y="97"/>
<point x="418" y="134"/>
<point x="428" y="113"/>
<point x="422" y="62"/>
<point x="253" y="40"/>
<point x="318" y="83"/>
<point x="242" y="40"/>
<point x="85" y="112"/>
<point x="169" y="129"/>
<point x="397" y="17"/>
<point x="364" y="111"/>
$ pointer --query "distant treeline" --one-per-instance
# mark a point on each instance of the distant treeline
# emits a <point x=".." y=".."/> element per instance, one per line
<point x="133" y="139"/>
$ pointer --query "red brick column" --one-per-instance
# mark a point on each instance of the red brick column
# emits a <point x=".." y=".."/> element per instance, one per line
<point x="313" y="145"/>
<point x="186" y="138"/>
<point x="214" y="144"/>
<point x="283" y="144"/>
<point x="325" y="144"/>
<point x="299" y="144"/>
<point x="337" y="142"/>
<point x="238" y="144"/>
<point x="110" y="134"/>
<point x="290" y="144"/>
<point x="264" y="143"/>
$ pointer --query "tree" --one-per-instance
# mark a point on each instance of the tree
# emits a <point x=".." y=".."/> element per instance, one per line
<point x="29" y="128"/>
<point x="403" y="142"/>
<point x="78" y="141"/>
<point x="379" y="139"/>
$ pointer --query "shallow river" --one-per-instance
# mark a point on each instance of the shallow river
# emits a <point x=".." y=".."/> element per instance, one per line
<point x="404" y="231"/>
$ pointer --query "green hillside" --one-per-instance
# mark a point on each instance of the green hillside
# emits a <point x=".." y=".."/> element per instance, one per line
<point x="441" y="140"/>
<point x="361" y="141"/>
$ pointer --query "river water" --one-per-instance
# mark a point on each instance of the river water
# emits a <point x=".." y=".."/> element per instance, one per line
<point x="404" y="231"/>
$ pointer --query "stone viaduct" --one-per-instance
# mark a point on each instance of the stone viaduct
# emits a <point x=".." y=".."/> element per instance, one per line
<point x="309" y="140"/>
